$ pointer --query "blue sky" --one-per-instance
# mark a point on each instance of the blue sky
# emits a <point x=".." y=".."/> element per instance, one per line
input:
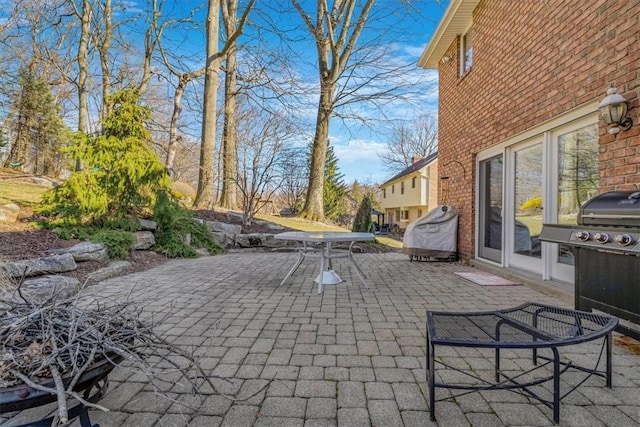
<point x="405" y="36"/>
<point x="401" y="33"/>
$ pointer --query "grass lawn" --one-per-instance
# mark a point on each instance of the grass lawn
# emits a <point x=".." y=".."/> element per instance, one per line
<point x="306" y="225"/>
<point x="20" y="193"/>
<point x="27" y="195"/>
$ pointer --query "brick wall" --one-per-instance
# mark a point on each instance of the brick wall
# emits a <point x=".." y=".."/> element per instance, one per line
<point x="534" y="60"/>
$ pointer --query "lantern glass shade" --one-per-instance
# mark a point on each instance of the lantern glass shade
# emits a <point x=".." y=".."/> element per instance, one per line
<point x="614" y="110"/>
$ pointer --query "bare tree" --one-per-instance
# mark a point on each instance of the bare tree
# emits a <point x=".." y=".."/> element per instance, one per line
<point x="174" y="65"/>
<point x="261" y="159"/>
<point x="32" y="90"/>
<point x="295" y="174"/>
<point x="83" y="14"/>
<point x="355" y="72"/>
<point x="335" y="36"/>
<point x="102" y="39"/>
<point x="228" y="195"/>
<point x="410" y="140"/>
<point x="214" y="57"/>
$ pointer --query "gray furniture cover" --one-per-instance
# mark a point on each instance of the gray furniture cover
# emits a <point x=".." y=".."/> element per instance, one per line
<point x="434" y="234"/>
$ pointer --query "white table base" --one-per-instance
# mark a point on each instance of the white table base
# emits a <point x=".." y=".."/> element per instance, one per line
<point x="329" y="277"/>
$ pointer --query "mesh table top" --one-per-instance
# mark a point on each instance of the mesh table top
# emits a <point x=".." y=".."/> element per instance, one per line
<point x="528" y="325"/>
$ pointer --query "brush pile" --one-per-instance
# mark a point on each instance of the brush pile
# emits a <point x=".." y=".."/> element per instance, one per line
<point x="60" y="340"/>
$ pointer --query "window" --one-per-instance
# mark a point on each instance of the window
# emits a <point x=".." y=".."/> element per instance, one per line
<point x="466" y="51"/>
<point x="393" y="189"/>
<point x="384" y="193"/>
<point x="413" y="182"/>
<point x="402" y="187"/>
<point x="404" y="215"/>
<point x="419" y="213"/>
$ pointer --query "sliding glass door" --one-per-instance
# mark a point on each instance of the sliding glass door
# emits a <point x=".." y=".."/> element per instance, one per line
<point x="543" y="179"/>
<point x="490" y="232"/>
<point x="527" y="206"/>
<point x="577" y="181"/>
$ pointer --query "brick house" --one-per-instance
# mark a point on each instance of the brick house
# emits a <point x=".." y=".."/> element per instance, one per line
<point x="410" y="193"/>
<point x="521" y="140"/>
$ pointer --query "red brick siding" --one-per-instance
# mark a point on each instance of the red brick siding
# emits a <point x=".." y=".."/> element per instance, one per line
<point x="534" y="60"/>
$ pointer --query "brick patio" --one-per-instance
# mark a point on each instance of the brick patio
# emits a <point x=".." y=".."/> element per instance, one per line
<point x="348" y="357"/>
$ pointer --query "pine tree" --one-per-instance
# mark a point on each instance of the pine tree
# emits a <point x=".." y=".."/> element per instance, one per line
<point x="334" y="187"/>
<point x="123" y="175"/>
<point x="38" y="132"/>
<point x="362" y="221"/>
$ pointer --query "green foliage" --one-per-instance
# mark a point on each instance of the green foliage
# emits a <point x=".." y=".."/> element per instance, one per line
<point x="362" y="221"/>
<point x="127" y="116"/>
<point x="122" y="176"/>
<point x="68" y="232"/>
<point x="38" y="130"/>
<point x="178" y="233"/>
<point x="118" y="243"/>
<point x="334" y="190"/>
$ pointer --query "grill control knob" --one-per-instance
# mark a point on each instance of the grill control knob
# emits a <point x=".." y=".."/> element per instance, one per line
<point x="623" y="239"/>
<point x="601" y="237"/>
<point x="583" y="236"/>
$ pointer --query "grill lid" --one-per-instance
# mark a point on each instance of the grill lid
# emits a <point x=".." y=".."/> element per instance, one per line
<point x="617" y="208"/>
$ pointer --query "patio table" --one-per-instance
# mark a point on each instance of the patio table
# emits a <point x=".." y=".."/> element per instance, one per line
<point x="530" y="326"/>
<point x="325" y="254"/>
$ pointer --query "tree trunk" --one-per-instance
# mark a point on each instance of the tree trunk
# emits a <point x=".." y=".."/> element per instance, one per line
<point x="204" y="195"/>
<point x="314" y="206"/>
<point x="173" y="127"/>
<point x="229" y="194"/>
<point x="83" y="52"/>
<point x="103" y="49"/>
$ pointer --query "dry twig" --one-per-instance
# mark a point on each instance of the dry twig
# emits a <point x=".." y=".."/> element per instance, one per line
<point x="59" y="341"/>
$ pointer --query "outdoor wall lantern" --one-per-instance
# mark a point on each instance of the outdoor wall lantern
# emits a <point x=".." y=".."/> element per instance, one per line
<point x="614" y="111"/>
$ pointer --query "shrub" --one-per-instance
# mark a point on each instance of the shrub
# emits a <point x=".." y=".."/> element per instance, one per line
<point x="362" y="221"/>
<point x="118" y="243"/>
<point x="122" y="174"/>
<point x="178" y="233"/>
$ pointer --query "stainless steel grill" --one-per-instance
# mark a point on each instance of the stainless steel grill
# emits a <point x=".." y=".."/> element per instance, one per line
<point x="606" y="246"/>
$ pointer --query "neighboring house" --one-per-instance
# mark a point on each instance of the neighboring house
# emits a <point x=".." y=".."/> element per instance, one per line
<point x="409" y="194"/>
<point x="521" y="140"/>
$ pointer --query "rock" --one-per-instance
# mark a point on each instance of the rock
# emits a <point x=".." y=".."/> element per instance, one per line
<point x="85" y="251"/>
<point x="216" y="226"/>
<point x="44" y="182"/>
<point x="9" y="212"/>
<point x="112" y="270"/>
<point x="224" y="240"/>
<point x="234" y="216"/>
<point x="268" y="224"/>
<point x="38" y="289"/>
<point x="40" y="266"/>
<point x="147" y="225"/>
<point x="144" y="240"/>
<point x="258" y="240"/>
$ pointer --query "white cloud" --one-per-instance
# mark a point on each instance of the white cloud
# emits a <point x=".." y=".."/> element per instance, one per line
<point x="358" y="159"/>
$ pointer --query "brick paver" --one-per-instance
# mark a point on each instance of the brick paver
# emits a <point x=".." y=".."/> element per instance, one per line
<point x="348" y="357"/>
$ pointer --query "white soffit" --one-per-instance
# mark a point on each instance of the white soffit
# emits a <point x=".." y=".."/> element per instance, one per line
<point x="455" y="21"/>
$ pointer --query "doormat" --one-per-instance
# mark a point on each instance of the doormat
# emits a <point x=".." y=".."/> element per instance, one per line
<point x="483" y="278"/>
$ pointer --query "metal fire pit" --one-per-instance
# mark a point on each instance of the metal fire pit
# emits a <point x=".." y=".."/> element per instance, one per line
<point x="606" y="246"/>
<point x="93" y="385"/>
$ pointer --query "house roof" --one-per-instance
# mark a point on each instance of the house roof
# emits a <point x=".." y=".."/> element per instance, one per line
<point x="455" y="21"/>
<point x="414" y="167"/>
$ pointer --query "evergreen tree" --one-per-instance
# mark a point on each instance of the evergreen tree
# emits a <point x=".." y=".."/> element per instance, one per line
<point x="334" y="187"/>
<point x="37" y="130"/>
<point x="123" y="175"/>
<point x="362" y="221"/>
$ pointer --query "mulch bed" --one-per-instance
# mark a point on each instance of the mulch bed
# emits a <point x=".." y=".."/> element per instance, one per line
<point x="25" y="242"/>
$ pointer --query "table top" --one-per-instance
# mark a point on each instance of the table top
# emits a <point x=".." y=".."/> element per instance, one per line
<point x="325" y="236"/>
<point x="528" y="325"/>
